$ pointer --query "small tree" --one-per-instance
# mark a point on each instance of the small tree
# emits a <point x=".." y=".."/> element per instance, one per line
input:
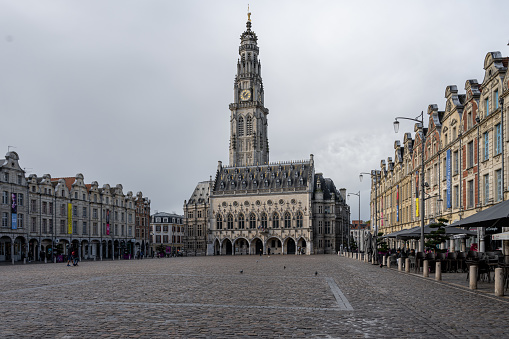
<point x="353" y="244"/>
<point x="437" y="236"/>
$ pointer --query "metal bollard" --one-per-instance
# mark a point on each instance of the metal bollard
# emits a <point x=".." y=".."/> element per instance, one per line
<point x="407" y="265"/>
<point x="425" y="269"/>
<point x="438" y="271"/>
<point x="499" y="282"/>
<point x="473" y="277"/>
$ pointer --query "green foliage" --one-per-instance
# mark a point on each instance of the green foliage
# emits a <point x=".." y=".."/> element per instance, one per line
<point x="353" y="244"/>
<point x="160" y="248"/>
<point x="437" y="236"/>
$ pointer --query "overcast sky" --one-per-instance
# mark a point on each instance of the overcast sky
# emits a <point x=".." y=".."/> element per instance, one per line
<point x="137" y="92"/>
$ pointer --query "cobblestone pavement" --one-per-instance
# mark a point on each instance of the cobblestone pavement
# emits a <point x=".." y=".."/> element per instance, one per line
<point x="209" y="297"/>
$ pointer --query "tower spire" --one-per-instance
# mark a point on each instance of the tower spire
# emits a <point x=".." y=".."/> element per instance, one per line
<point x="248" y="14"/>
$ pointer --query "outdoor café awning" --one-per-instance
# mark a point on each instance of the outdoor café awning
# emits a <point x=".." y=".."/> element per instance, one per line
<point x="416" y="232"/>
<point x="497" y="215"/>
<point x="395" y="234"/>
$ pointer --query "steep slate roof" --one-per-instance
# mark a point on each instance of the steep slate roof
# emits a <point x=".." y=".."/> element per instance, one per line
<point x="200" y="193"/>
<point x="273" y="176"/>
<point x="164" y="214"/>
<point x="327" y="186"/>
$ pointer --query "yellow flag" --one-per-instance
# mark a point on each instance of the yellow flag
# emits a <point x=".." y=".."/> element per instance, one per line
<point x="416" y="207"/>
<point x="69" y="218"/>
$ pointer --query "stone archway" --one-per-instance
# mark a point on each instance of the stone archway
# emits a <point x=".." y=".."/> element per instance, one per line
<point x="33" y="253"/>
<point x="274" y="246"/>
<point x="19" y="248"/>
<point x="217" y="247"/>
<point x="301" y="246"/>
<point x="290" y="246"/>
<point x="5" y="248"/>
<point x="257" y="246"/>
<point x="227" y="247"/>
<point x="241" y="246"/>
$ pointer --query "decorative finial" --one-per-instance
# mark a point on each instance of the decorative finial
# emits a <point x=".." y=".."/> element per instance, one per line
<point x="248" y="14"/>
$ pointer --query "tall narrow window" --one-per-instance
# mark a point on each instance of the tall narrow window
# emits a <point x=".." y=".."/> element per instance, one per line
<point x="288" y="220"/>
<point x="241" y="221"/>
<point x="470" y="192"/>
<point x="230" y="222"/>
<point x="486" y="181"/>
<point x="264" y="220"/>
<point x="470" y="154"/>
<point x="299" y="220"/>
<point x="456" y="199"/>
<point x="486" y="138"/>
<point x="487" y="106"/>
<point x="498" y="177"/>
<point x="455" y="162"/>
<point x="240" y="126"/>
<point x="252" y="221"/>
<point x="249" y="126"/>
<point x="496" y="99"/>
<point x="219" y="222"/>
<point x="275" y="220"/>
<point x="498" y="139"/>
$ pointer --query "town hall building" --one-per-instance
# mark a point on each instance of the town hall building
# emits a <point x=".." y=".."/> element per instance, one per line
<point x="253" y="206"/>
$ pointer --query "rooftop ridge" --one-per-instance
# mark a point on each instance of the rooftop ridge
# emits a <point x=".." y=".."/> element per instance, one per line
<point x="291" y="162"/>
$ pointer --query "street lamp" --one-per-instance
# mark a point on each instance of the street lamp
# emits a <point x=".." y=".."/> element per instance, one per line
<point x="418" y="126"/>
<point x="358" y="227"/>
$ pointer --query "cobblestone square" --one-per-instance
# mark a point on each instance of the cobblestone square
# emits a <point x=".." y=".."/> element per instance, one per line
<point x="209" y="297"/>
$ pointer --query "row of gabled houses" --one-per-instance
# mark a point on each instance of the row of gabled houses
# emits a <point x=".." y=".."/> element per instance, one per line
<point x="465" y="158"/>
<point x="45" y="218"/>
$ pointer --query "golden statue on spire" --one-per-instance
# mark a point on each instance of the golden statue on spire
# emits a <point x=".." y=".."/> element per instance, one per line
<point x="248" y="14"/>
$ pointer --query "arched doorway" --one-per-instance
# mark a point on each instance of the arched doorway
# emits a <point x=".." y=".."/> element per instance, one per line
<point x="217" y="247"/>
<point x="301" y="246"/>
<point x="227" y="247"/>
<point x="290" y="246"/>
<point x="258" y="246"/>
<point x="5" y="248"/>
<point x="241" y="246"/>
<point x="274" y="246"/>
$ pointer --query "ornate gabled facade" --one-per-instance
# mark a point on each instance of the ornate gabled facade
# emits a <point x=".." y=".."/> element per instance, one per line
<point x="45" y="218"/>
<point x="466" y="152"/>
<point x="256" y="207"/>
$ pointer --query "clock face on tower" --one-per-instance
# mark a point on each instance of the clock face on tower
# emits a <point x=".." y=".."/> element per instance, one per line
<point x="245" y="95"/>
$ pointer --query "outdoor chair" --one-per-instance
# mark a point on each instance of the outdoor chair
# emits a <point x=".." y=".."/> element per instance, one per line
<point x="452" y="262"/>
<point x="461" y="258"/>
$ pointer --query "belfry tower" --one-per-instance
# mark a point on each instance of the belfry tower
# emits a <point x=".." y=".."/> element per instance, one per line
<point x="249" y="144"/>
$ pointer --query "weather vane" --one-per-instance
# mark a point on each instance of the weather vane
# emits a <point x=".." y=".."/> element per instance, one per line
<point x="248" y="14"/>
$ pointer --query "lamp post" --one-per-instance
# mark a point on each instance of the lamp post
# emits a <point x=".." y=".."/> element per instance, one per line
<point x="419" y="125"/>
<point x="374" y="174"/>
<point x="358" y="227"/>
